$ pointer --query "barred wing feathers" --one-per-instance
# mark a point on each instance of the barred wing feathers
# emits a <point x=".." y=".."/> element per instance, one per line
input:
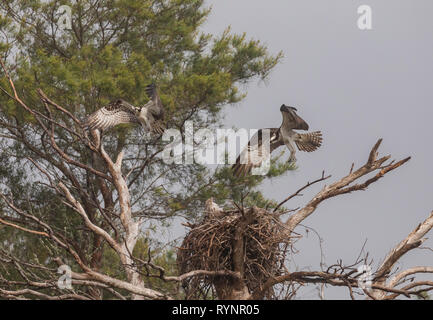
<point x="295" y="122"/>
<point x="115" y="113"/>
<point x="155" y="109"/>
<point x="253" y="154"/>
<point x="309" y="142"/>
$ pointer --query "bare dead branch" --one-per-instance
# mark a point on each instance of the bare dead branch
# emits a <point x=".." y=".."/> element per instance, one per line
<point x="302" y="189"/>
<point x="41" y="233"/>
<point x="343" y="185"/>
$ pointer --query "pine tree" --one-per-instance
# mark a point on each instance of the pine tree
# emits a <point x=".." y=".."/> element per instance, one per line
<point x="113" y="49"/>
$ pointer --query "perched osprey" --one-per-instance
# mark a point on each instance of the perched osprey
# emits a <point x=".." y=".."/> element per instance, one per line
<point x="150" y="116"/>
<point x="253" y="154"/>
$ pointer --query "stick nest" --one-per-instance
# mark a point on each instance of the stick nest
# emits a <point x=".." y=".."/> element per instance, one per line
<point x="213" y="245"/>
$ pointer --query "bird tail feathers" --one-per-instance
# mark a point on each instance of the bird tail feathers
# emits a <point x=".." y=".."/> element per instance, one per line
<point x="309" y="142"/>
<point x="158" y="127"/>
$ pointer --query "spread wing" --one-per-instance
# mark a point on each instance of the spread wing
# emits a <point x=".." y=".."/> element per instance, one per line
<point x="253" y="154"/>
<point x="293" y="121"/>
<point x="308" y="141"/>
<point x="155" y="109"/>
<point x="115" y="113"/>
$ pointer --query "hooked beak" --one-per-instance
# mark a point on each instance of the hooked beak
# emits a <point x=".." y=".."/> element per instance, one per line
<point x="285" y="108"/>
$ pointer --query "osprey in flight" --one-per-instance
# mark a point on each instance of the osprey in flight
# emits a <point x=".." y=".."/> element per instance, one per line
<point x="150" y="116"/>
<point x="253" y="154"/>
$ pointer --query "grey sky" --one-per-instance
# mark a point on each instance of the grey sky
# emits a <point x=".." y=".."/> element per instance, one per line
<point x="355" y="86"/>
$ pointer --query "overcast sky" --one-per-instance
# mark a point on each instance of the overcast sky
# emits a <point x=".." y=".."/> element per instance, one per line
<point x="355" y="86"/>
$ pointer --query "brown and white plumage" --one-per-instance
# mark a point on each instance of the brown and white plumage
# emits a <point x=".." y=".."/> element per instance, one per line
<point x="308" y="142"/>
<point x="154" y="110"/>
<point x="116" y="112"/>
<point x="253" y="154"/>
<point x="150" y="115"/>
